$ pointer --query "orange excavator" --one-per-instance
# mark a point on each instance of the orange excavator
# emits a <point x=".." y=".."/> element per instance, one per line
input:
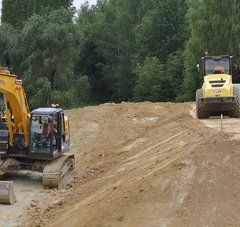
<point x="34" y="141"/>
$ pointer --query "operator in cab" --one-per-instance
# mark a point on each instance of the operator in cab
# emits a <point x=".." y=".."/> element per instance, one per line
<point x="219" y="69"/>
<point x="47" y="130"/>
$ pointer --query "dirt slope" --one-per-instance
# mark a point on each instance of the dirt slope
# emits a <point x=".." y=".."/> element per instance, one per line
<point x="147" y="165"/>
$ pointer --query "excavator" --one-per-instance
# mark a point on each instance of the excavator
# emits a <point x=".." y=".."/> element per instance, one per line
<point x="33" y="141"/>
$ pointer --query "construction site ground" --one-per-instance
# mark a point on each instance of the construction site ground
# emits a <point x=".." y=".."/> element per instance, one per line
<point x="146" y="164"/>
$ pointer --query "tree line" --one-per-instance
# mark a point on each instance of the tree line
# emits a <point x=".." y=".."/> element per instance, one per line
<point x="116" y="50"/>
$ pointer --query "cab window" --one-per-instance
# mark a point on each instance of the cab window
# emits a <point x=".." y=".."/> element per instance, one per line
<point x="41" y="128"/>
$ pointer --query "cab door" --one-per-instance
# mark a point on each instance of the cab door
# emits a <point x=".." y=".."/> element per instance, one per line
<point x="64" y="133"/>
<point x="56" y="131"/>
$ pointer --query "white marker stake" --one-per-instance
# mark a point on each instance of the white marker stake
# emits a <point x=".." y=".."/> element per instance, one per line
<point x="222" y="123"/>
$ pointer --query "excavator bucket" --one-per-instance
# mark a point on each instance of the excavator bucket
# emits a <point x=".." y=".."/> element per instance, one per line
<point x="7" y="195"/>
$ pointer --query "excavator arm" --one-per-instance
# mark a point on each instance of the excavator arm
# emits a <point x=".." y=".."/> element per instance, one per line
<point x="17" y="112"/>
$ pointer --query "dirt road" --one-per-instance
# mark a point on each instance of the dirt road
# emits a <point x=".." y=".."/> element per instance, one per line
<point x="146" y="164"/>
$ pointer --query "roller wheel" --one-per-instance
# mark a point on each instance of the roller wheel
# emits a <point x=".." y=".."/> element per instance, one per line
<point x="236" y="112"/>
<point x="200" y="113"/>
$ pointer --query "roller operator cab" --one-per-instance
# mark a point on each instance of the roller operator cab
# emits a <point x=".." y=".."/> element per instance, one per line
<point x="49" y="133"/>
<point x="218" y="94"/>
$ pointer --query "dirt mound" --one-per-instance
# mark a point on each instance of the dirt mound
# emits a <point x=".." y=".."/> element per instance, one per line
<point x="146" y="164"/>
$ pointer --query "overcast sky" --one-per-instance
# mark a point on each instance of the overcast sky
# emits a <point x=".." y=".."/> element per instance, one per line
<point x="76" y="3"/>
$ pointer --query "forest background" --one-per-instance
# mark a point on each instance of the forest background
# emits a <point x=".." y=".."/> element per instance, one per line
<point x="115" y="50"/>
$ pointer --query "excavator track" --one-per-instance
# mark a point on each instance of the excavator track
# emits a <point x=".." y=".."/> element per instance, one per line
<point x="55" y="170"/>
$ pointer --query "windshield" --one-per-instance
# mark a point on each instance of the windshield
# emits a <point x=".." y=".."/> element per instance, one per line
<point x="217" y="66"/>
<point x="41" y="128"/>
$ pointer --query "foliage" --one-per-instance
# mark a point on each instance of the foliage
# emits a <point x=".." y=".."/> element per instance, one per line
<point x="174" y="72"/>
<point x="48" y="51"/>
<point x="8" y="43"/>
<point x="116" y="50"/>
<point x="152" y="83"/>
<point x="163" y="30"/>
<point x="106" y="35"/>
<point x="16" y="12"/>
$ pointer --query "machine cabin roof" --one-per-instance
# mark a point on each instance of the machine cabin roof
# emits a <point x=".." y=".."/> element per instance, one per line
<point x="46" y="111"/>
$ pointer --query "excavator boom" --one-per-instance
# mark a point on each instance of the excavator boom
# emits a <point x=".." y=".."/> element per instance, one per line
<point x="17" y="111"/>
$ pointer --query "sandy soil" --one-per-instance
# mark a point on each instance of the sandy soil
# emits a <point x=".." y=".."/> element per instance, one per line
<point x="10" y="215"/>
<point x="146" y="164"/>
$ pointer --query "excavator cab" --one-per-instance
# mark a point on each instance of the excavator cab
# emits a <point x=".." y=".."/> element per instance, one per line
<point x="49" y="133"/>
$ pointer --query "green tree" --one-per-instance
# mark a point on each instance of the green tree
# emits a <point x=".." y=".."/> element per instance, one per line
<point x="82" y="91"/>
<point x="152" y="83"/>
<point x="90" y="60"/>
<point x="48" y="51"/>
<point x="175" y="73"/>
<point x="163" y="30"/>
<point x="8" y="44"/>
<point x="16" y="12"/>
<point x="106" y="34"/>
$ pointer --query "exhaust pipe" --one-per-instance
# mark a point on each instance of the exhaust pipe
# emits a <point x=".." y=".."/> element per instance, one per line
<point x="7" y="195"/>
